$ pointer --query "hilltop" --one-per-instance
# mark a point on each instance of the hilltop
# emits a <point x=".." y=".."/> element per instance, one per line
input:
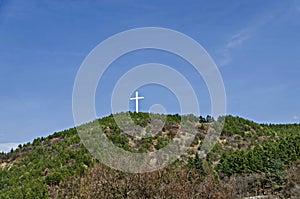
<point x="248" y="159"/>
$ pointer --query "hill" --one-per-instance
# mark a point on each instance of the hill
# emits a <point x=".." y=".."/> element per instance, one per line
<point x="248" y="159"/>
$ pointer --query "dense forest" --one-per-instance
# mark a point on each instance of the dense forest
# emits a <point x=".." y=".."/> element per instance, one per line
<point x="248" y="159"/>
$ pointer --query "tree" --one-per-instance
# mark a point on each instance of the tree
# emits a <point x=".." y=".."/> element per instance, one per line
<point x="53" y="178"/>
<point x="198" y="163"/>
<point x="202" y="119"/>
<point x="209" y="118"/>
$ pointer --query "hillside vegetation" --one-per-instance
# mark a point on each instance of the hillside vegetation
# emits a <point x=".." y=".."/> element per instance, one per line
<point x="248" y="159"/>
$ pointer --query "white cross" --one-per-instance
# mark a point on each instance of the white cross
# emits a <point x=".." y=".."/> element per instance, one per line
<point x="136" y="98"/>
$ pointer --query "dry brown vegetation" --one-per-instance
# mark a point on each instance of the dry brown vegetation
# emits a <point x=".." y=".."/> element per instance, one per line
<point x="171" y="182"/>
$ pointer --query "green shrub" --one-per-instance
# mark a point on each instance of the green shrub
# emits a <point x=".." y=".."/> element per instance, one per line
<point x="53" y="178"/>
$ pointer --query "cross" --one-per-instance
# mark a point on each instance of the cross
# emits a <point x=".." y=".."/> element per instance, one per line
<point x="136" y="98"/>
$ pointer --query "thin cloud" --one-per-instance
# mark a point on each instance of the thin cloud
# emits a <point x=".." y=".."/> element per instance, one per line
<point x="238" y="39"/>
<point x="226" y="57"/>
<point x="241" y="36"/>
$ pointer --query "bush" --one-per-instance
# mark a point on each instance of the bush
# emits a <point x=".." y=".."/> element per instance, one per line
<point x="53" y="178"/>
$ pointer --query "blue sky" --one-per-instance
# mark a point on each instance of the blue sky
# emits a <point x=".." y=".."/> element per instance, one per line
<point x="254" y="43"/>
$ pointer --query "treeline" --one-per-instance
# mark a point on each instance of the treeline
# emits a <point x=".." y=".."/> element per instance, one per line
<point x="271" y="159"/>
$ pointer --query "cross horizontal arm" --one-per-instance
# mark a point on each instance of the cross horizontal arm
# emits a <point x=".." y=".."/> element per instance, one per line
<point x="134" y="98"/>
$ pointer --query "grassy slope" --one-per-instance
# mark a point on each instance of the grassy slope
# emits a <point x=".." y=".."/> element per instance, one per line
<point x="248" y="159"/>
